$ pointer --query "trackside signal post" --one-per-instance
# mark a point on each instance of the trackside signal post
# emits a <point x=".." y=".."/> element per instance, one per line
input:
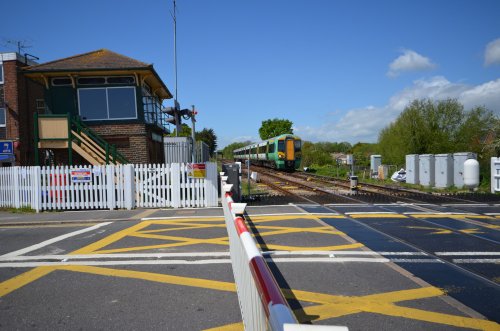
<point x="176" y="116"/>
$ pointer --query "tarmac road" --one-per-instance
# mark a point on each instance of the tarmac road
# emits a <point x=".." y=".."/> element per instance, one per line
<point x="368" y="267"/>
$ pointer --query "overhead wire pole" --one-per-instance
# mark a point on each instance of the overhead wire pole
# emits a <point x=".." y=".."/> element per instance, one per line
<point x="176" y="103"/>
<point x="175" y="47"/>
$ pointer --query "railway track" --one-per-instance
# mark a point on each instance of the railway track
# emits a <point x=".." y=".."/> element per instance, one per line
<point x="306" y="187"/>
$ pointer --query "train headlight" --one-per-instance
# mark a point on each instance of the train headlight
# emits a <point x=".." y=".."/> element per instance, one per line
<point x="281" y="155"/>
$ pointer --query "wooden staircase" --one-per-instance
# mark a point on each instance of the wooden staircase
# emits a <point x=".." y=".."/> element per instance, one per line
<point x="64" y="132"/>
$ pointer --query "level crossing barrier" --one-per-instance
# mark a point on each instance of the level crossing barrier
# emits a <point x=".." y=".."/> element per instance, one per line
<point x="262" y="304"/>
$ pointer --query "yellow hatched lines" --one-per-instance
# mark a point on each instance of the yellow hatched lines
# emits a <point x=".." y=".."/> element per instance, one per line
<point x="377" y="215"/>
<point x="324" y="306"/>
<point x="173" y="240"/>
<point x="450" y="215"/>
<point x="437" y="230"/>
<point x="332" y="306"/>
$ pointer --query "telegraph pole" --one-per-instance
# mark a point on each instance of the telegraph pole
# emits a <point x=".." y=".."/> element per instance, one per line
<point x="176" y="103"/>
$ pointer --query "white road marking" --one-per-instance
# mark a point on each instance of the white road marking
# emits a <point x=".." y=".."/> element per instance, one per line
<point x="371" y="212"/>
<point x="110" y="263"/>
<point x="439" y="213"/>
<point x="195" y="254"/>
<point x="53" y="240"/>
<point x="465" y="204"/>
<point x="112" y="256"/>
<point x="340" y="253"/>
<point x="416" y="261"/>
<point x="33" y="264"/>
<point x="330" y="260"/>
<point x="466" y="253"/>
<point x="222" y="217"/>
<point x="476" y="261"/>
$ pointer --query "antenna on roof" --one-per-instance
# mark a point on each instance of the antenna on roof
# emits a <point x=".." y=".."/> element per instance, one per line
<point x="20" y="44"/>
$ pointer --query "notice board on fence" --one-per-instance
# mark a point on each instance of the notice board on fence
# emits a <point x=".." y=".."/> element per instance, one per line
<point x="196" y="170"/>
<point x="81" y="176"/>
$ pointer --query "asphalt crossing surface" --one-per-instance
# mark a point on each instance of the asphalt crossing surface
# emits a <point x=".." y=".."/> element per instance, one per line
<point x="368" y="267"/>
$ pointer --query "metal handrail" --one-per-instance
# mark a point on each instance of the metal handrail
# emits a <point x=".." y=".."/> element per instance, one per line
<point x="109" y="148"/>
<point x="111" y="153"/>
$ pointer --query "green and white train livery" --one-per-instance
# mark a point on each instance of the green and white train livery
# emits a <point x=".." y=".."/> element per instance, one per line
<point x="282" y="152"/>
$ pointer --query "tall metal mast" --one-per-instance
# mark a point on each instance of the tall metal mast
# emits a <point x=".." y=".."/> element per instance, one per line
<point x="175" y="48"/>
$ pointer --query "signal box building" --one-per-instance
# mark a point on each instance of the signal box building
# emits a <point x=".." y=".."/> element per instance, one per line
<point x="117" y="97"/>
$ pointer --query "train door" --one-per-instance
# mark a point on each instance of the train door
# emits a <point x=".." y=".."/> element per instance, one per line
<point x="290" y="150"/>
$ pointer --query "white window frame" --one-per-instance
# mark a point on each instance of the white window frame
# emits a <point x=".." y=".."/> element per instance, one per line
<point x="1" y="73"/>
<point x="107" y="103"/>
<point x="4" y="117"/>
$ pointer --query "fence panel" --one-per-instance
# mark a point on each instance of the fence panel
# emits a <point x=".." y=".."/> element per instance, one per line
<point x="81" y="187"/>
<point x="168" y="185"/>
<point x="101" y="187"/>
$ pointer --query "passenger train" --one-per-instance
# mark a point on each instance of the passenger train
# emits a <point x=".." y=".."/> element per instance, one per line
<point x="282" y="152"/>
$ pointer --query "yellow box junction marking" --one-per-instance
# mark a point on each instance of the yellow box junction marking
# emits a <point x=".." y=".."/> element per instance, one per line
<point x="326" y="306"/>
<point x="450" y="215"/>
<point x="171" y="225"/>
<point x="376" y="215"/>
<point x="437" y="230"/>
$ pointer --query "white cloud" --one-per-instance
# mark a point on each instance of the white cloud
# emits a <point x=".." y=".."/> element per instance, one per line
<point x="409" y="61"/>
<point x="364" y="124"/>
<point x="492" y="53"/>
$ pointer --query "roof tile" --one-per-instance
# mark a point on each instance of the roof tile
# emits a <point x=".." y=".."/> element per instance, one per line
<point x="99" y="59"/>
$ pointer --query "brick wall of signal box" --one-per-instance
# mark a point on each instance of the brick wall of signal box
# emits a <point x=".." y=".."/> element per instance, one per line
<point x="130" y="140"/>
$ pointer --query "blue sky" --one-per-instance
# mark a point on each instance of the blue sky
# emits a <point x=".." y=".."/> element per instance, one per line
<point x="339" y="70"/>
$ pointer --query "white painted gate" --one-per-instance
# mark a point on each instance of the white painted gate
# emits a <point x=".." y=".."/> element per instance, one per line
<point x="168" y="185"/>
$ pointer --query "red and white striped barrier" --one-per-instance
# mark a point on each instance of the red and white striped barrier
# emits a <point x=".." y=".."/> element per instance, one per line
<point x="262" y="304"/>
<point x="276" y="311"/>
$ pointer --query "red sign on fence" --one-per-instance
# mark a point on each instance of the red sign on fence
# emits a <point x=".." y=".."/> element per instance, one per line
<point x="196" y="170"/>
<point x="81" y="176"/>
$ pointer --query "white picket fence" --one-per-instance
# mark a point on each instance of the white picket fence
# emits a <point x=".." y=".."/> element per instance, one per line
<point x="17" y="187"/>
<point x="168" y="185"/>
<point x="107" y="187"/>
<point x="104" y="189"/>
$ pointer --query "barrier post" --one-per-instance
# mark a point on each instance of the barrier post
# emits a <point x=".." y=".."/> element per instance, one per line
<point x="110" y="186"/>
<point x="129" y="186"/>
<point x="262" y="304"/>
<point x="17" y="191"/>
<point x="36" y="186"/>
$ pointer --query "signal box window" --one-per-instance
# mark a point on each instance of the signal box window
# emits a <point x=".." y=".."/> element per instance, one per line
<point x="107" y="103"/>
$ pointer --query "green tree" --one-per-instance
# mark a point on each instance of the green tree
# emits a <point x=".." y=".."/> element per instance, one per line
<point x="208" y="136"/>
<point x="362" y="152"/>
<point x="437" y="127"/>
<point x="315" y="154"/>
<point x="495" y="136"/>
<point x="275" y="127"/>
<point x="185" y="131"/>
<point x="227" y="152"/>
